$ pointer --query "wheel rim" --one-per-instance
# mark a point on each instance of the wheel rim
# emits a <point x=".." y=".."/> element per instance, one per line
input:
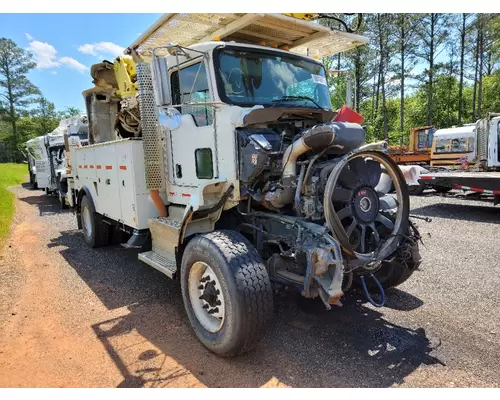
<point x="370" y="216"/>
<point x="87" y="222"/>
<point x="206" y="297"/>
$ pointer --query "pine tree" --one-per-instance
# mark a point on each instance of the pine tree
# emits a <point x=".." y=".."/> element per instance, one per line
<point x="16" y="89"/>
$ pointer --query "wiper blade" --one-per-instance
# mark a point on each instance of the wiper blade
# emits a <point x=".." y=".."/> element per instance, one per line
<point x="285" y="98"/>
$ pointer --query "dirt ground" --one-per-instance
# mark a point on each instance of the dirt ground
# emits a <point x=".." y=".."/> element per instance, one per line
<point x="75" y="317"/>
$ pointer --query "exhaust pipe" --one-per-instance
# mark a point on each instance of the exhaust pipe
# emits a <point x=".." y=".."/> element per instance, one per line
<point x="316" y="138"/>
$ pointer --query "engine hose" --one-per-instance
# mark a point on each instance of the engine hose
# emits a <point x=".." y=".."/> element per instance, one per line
<point x="368" y="297"/>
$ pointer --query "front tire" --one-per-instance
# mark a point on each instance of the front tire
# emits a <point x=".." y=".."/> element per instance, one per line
<point x="400" y="268"/>
<point x="226" y="292"/>
<point x="95" y="231"/>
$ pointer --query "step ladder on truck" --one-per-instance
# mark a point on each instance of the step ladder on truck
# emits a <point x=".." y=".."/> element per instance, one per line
<point x="213" y="151"/>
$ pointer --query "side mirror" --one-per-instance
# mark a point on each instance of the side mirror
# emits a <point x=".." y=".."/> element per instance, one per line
<point x="161" y="82"/>
<point x="170" y="118"/>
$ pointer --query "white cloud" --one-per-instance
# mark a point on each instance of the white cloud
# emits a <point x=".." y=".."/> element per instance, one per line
<point x="108" y="48"/>
<point x="73" y="64"/>
<point x="28" y="36"/>
<point x="45" y="55"/>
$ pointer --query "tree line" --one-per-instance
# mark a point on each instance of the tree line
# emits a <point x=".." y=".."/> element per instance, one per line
<point x="421" y="70"/>
<point x="24" y="112"/>
<point x="417" y="70"/>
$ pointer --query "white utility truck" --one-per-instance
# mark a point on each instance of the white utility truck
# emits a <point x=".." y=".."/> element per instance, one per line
<point x="37" y="156"/>
<point x="476" y="150"/>
<point x="214" y="153"/>
<point x="48" y="157"/>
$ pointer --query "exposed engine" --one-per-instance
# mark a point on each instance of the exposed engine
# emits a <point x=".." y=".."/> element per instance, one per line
<point x="315" y="186"/>
<point x="270" y="162"/>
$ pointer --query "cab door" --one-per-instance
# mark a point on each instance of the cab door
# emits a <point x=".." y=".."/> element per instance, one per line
<point x="193" y="149"/>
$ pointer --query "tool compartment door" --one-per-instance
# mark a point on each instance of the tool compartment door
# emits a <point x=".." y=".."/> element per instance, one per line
<point x="106" y="181"/>
<point x="126" y="183"/>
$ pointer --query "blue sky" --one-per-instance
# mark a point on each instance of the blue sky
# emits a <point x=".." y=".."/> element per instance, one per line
<point x="66" y="45"/>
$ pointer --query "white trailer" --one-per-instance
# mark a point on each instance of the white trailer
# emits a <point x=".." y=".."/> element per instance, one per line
<point x="226" y="171"/>
<point x="477" y="148"/>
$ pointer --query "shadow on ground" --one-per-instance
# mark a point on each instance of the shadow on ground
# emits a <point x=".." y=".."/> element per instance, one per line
<point x="305" y="346"/>
<point x="46" y="204"/>
<point x="475" y="213"/>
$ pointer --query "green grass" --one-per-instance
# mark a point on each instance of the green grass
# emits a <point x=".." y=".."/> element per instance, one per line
<point x="10" y="175"/>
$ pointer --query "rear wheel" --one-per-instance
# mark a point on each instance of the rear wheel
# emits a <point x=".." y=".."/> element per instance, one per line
<point x="62" y="201"/>
<point x="416" y="190"/>
<point x="95" y="231"/>
<point x="442" y="189"/>
<point x="33" y="182"/>
<point x="226" y="291"/>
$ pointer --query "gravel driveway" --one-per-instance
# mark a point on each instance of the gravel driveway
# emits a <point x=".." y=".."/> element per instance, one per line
<point x="75" y="317"/>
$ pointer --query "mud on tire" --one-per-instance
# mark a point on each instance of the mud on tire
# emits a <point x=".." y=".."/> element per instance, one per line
<point x="245" y="286"/>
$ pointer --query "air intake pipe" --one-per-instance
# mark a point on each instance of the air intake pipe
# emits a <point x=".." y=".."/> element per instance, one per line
<point x="345" y="135"/>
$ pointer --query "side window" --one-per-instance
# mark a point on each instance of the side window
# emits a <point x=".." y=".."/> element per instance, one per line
<point x="192" y="87"/>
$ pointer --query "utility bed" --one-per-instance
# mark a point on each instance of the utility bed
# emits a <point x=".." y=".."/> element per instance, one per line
<point x="278" y="30"/>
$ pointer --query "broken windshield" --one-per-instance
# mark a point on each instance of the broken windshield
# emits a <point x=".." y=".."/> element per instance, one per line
<point x="259" y="77"/>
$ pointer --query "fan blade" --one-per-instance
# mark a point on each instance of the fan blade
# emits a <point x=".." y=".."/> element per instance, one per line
<point x="350" y="230"/>
<point x="360" y="169"/>
<point x="385" y="221"/>
<point x="388" y="202"/>
<point x="375" y="233"/>
<point x="344" y="213"/>
<point x="342" y="195"/>
<point x="348" y="179"/>
<point x="374" y="172"/>
<point x="384" y="184"/>
<point x="363" y="238"/>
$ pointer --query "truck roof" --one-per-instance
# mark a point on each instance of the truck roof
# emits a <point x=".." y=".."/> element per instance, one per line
<point x="455" y="132"/>
<point x="277" y="30"/>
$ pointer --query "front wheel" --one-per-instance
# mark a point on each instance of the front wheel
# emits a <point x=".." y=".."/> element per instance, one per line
<point x="226" y="292"/>
<point x="398" y="270"/>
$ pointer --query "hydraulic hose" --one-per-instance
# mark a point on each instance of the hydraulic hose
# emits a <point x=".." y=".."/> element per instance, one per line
<point x="368" y="297"/>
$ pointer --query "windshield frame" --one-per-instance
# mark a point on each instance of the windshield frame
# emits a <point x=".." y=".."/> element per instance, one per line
<point x="285" y="104"/>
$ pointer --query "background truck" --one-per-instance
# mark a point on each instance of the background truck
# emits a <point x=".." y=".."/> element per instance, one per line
<point x="212" y="152"/>
<point x="471" y="156"/>
<point x="48" y="157"/>
<point x="418" y="151"/>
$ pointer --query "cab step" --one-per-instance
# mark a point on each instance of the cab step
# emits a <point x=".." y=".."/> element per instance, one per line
<point x="159" y="262"/>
